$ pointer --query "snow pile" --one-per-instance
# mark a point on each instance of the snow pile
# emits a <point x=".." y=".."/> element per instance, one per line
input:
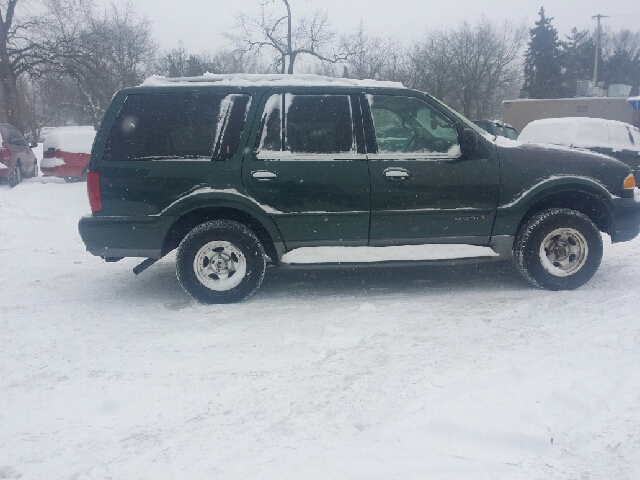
<point x="582" y="133"/>
<point x="270" y="80"/>
<point x="70" y="139"/>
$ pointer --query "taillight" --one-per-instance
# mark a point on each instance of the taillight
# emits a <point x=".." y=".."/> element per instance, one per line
<point x="49" y="153"/>
<point x="93" y="190"/>
<point x="5" y="154"/>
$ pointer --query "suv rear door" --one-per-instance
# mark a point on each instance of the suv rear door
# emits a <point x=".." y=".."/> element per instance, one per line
<point x="422" y="189"/>
<point x="164" y="145"/>
<point x="309" y="167"/>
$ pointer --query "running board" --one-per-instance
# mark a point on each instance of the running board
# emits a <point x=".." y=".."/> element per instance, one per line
<point x="392" y="263"/>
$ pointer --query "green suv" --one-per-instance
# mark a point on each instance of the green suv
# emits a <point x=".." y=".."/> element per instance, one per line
<point x="237" y="171"/>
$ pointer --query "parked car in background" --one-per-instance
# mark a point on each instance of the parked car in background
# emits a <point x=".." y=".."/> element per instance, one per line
<point x="66" y="152"/>
<point x="611" y="137"/>
<point x="496" y="127"/>
<point x="16" y="157"/>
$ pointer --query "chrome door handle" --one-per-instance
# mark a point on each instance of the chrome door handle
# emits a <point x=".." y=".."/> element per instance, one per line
<point x="264" y="176"/>
<point x="396" y="174"/>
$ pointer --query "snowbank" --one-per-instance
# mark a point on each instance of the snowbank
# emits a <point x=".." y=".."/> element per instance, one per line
<point x="414" y="373"/>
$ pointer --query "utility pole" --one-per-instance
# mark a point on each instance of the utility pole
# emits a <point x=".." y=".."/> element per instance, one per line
<point x="595" y="68"/>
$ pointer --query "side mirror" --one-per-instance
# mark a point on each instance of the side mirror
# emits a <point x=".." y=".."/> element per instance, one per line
<point x="33" y="145"/>
<point x="468" y="141"/>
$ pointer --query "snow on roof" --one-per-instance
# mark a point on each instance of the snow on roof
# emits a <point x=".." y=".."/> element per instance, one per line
<point x="269" y="80"/>
<point x="74" y="139"/>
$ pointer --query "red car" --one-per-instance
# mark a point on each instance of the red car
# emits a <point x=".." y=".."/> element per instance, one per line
<point x="16" y="157"/>
<point x="66" y="152"/>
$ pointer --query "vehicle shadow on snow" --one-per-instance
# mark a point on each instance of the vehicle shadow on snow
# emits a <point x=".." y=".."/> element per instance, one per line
<point x="160" y="283"/>
<point x="377" y="282"/>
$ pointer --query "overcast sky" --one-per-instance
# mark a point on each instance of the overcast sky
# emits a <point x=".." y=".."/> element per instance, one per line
<point x="199" y="23"/>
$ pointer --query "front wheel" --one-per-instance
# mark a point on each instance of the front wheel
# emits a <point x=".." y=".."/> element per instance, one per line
<point x="220" y="262"/>
<point x="558" y="249"/>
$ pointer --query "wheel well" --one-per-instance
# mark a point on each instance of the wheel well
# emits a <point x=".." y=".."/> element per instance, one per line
<point x="188" y="222"/>
<point x="590" y="205"/>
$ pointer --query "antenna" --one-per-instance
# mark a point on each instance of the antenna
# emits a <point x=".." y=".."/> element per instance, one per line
<point x="598" y="48"/>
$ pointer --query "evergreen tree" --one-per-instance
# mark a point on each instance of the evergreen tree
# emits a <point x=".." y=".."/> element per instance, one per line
<point x="542" y="69"/>
<point x="577" y="58"/>
<point x="621" y="67"/>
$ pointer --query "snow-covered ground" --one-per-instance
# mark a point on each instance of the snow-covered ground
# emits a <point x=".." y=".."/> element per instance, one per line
<point x="440" y="372"/>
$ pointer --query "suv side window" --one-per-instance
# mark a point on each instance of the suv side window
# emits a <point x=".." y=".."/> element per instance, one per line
<point x="170" y="126"/>
<point x="314" y="124"/>
<point x="270" y="137"/>
<point x="409" y="125"/>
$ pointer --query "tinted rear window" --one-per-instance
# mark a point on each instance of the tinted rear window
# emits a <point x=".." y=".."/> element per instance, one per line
<point x="13" y="136"/>
<point x="177" y="126"/>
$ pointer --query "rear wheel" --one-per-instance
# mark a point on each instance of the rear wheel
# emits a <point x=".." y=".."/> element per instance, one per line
<point x="558" y="249"/>
<point x="220" y="262"/>
<point x="34" y="172"/>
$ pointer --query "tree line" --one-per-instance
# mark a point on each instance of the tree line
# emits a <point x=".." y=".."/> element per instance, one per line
<point x="553" y="66"/>
<point x="62" y="60"/>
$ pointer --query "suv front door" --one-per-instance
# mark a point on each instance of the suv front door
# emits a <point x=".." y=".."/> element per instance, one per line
<point x="422" y="189"/>
<point x="310" y="169"/>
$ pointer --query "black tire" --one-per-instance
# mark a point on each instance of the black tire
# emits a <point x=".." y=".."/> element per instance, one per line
<point x="574" y="249"/>
<point x="34" y="172"/>
<point x="240" y="241"/>
<point x="16" y="176"/>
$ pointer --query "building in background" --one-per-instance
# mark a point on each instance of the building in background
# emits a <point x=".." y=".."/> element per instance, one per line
<point x="590" y="101"/>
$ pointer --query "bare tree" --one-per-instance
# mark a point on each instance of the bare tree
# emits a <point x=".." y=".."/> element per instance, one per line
<point x="367" y="56"/>
<point x="178" y="62"/>
<point x="32" y="44"/>
<point x="622" y="41"/>
<point x="20" y="53"/>
<point x="110" y="51"/>
<point x="431" y="62"/>
<point x="471" y="67"/>
<point x="275" y="31"/>
<point x="484" y="59"/>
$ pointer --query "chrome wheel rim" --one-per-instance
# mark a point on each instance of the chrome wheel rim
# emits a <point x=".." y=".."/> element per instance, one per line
<point x="564" y="252"/>
<point x="220" y="266"/>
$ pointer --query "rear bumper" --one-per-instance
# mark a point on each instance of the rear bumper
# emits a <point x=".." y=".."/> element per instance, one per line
<point x="66" y="165"/>
<point x="624" y="219"/>
<point x="6" y="169"/>
<point x="109" y="237"/>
